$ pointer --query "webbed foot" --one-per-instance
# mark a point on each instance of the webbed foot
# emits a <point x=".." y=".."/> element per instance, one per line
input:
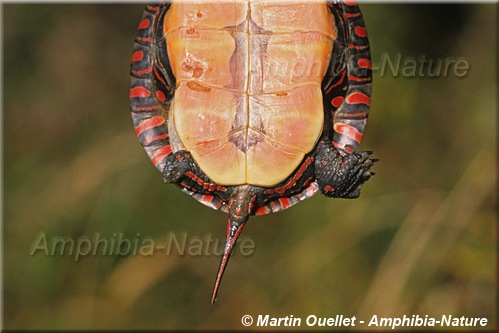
<point x="341" y="174"/>
<point x="177" y="165"/>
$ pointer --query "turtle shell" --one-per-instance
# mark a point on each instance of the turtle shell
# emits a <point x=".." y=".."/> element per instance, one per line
<point x="253" y="106"/>
<point x="248" y="105"/>
<point x="248" y="99"/>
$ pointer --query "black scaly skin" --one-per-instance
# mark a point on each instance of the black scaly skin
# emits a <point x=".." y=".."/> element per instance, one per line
<point x="340" y="174"/>
<point x="333" y="167"/>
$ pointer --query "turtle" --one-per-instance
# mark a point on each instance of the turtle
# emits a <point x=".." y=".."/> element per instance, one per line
<point x="251" y="107"/>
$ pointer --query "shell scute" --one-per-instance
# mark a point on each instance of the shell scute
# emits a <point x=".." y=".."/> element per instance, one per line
<point x="248" y="104"/>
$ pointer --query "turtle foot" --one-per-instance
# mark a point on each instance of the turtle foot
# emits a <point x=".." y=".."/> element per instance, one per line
<point x="341" y="174"/>
<point x="177" y="165"/>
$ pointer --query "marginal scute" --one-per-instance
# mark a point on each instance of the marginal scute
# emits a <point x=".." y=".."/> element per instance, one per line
<point x="248" y="103"/>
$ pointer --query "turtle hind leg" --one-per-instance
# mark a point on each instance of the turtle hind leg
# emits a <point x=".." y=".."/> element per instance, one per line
<point x="177" y="165"/>
<point x="341" y="174"/>
<point x="240" y="209"/>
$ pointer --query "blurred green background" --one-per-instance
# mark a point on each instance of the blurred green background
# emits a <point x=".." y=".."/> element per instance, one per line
<point x="421" y="239"/>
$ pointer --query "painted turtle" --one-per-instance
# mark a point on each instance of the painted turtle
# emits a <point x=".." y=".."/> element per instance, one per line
<point x="252" y="107"/>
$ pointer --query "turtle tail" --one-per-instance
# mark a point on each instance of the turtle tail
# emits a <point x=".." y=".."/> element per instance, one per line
<point x="240" y="208"/>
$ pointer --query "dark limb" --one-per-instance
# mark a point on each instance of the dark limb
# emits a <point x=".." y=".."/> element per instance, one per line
<point x="177" y="165"/>
<point x="341" y="174"/>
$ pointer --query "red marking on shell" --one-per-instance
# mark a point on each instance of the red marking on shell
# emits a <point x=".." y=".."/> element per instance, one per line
<point x="351" y="15"/>
<point x="285" y="203"/>
<point x="252" y="202"/>
<point x="350" y="2"/>
<point x="360" y="31"/>
<point x="206" y="199"/>
<point x="348" y="131"/>
<point x="156" y="138"/>
<point x="311" y="190"/>
<point x="207" y="186"/>
<point x="160" y="96"/>
<point x="359" y="79"/>
<point x="340" y="81"/>
<point x="144" y="71"/>
<point x="336" y="102"/>
<point x="147" y="108"/>
<point x="262" y="210"/>
<point x="148" y="124"/>
<point x="337" y="145"/>
<point x="160" y="78"/>
<point x="137" y="56"/>
<point x="356" y="47"/>
<point x="144" y="24"/>
<point x="160" y="154"/>
<point x="358" y="98"/>
<point x="364" y="63"/>
<point x="210" y="201"/>
<point x="145" y="39"/>
<point x="139" y="91"/>
<point x="357" y="115"/>
<point x="292" y="182"/>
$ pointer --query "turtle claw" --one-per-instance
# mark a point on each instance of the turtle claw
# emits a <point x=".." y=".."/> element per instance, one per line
<point x="173" y="176"/>
<point x="367" y="174"/>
